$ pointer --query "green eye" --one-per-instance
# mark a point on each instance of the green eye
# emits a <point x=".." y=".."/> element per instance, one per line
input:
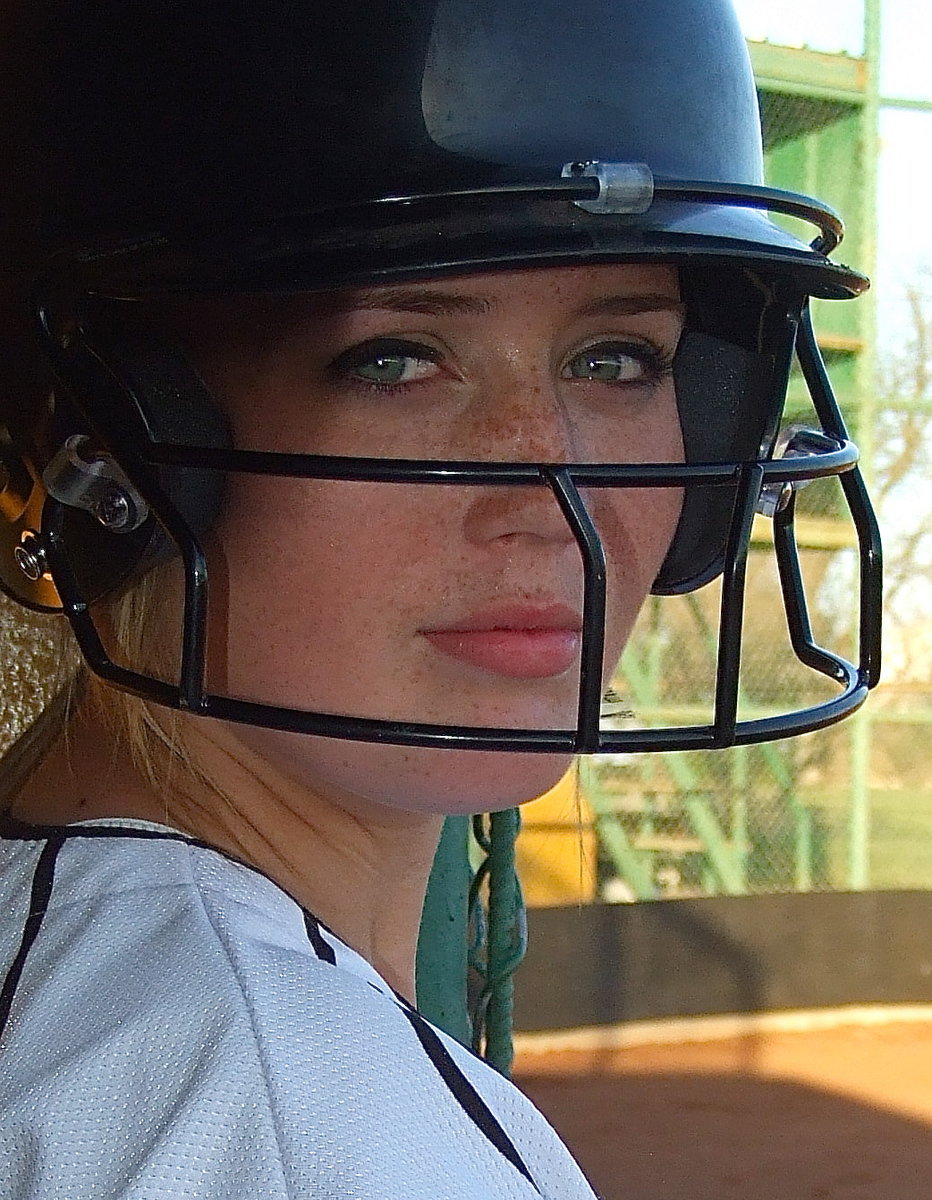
<point x="611" y="364"/>
<point x="389" y="368"/>
<point x="386" y="363"/>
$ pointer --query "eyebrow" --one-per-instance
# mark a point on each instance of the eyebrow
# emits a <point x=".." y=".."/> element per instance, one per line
<point x="434" y="303"/>
<point x="621" y="306"/>
<point x="420" y="300"/>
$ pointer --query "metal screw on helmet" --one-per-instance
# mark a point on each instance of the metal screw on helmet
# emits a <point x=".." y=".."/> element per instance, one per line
<point x="30" y="557"/>
<point x="82" y="476"/>
<point x="114" y="511"/>
<point x="774" y="497"/>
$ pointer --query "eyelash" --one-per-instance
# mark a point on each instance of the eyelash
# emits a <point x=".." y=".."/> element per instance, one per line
<point x="656" y="361"/>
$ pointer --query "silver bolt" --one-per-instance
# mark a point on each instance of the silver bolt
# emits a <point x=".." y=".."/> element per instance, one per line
<point x="774" y="497"/>
<point x="113" y="511"/>
<point x="30" y="557"/>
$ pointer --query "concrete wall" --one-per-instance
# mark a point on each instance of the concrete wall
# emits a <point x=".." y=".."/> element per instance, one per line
<point x="603" y="964"/>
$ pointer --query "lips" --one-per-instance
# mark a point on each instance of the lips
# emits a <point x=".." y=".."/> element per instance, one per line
<point x="517" y="642"/>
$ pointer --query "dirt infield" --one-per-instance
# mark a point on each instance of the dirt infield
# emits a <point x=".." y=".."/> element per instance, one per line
<point x="837" y="1114"/>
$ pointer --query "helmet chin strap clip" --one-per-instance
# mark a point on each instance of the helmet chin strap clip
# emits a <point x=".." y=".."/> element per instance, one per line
<point x="623" y="187"/>
<point x="82" y="476"/>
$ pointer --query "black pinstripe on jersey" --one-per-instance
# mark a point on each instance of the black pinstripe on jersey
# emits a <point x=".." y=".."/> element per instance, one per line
<point x="42" y="882"/>
<point x="322" y="948"/>
<point x="462" y="1090"/>
<point x="469" y="1099"/>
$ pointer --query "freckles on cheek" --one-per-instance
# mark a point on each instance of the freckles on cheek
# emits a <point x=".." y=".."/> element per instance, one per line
<point x="636" y="527"/>
<point x="323" y="573"/>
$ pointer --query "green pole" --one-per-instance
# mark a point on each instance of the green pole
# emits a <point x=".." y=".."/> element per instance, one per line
<point x="507" y="938"/>
<point x="443" y="942"/>
<point x="860" y="729"/>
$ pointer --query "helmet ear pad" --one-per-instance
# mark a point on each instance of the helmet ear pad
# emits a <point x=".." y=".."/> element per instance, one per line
<point x="730" y="373"/>
<point x="164" y="400"/>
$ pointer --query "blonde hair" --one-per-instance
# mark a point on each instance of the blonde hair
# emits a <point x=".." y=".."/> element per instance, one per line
<point x="154" y="745"/>
<point x="152" y="734"/>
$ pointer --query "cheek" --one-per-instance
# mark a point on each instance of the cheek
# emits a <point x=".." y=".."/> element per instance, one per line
<point x="305" y="562"/>
<point x="637" y="525"/>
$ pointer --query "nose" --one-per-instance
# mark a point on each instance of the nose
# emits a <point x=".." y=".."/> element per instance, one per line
<point x="522" y="419"/>
<point x="507" y="516"/>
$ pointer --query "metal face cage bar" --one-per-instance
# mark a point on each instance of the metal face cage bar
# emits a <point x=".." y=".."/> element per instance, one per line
<point x="586" y="189"/>
<point x="852" y="483"/>
<point x="564" y="482"/>
<point x="77" y="360"/>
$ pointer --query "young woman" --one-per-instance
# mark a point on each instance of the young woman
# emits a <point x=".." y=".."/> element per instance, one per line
<point x="367" y="368"/>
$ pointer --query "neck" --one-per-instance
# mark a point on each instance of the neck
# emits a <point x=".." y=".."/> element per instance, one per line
<point x="361" y="868"/>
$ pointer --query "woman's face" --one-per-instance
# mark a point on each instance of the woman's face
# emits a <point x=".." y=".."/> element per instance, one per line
<point x="443" y="604"/>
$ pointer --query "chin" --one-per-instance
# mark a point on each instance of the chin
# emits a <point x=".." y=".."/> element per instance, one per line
<point x="363" y="775"/>
<point x="475" y="781"/>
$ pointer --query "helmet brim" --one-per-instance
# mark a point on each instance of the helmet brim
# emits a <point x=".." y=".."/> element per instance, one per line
<point x="396" y="240"/>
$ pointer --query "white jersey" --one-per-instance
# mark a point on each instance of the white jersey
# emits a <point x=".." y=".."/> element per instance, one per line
<point x="172" y="1024"/>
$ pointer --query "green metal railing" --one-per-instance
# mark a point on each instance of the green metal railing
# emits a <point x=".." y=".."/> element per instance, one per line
<point x="474" y="935"/>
